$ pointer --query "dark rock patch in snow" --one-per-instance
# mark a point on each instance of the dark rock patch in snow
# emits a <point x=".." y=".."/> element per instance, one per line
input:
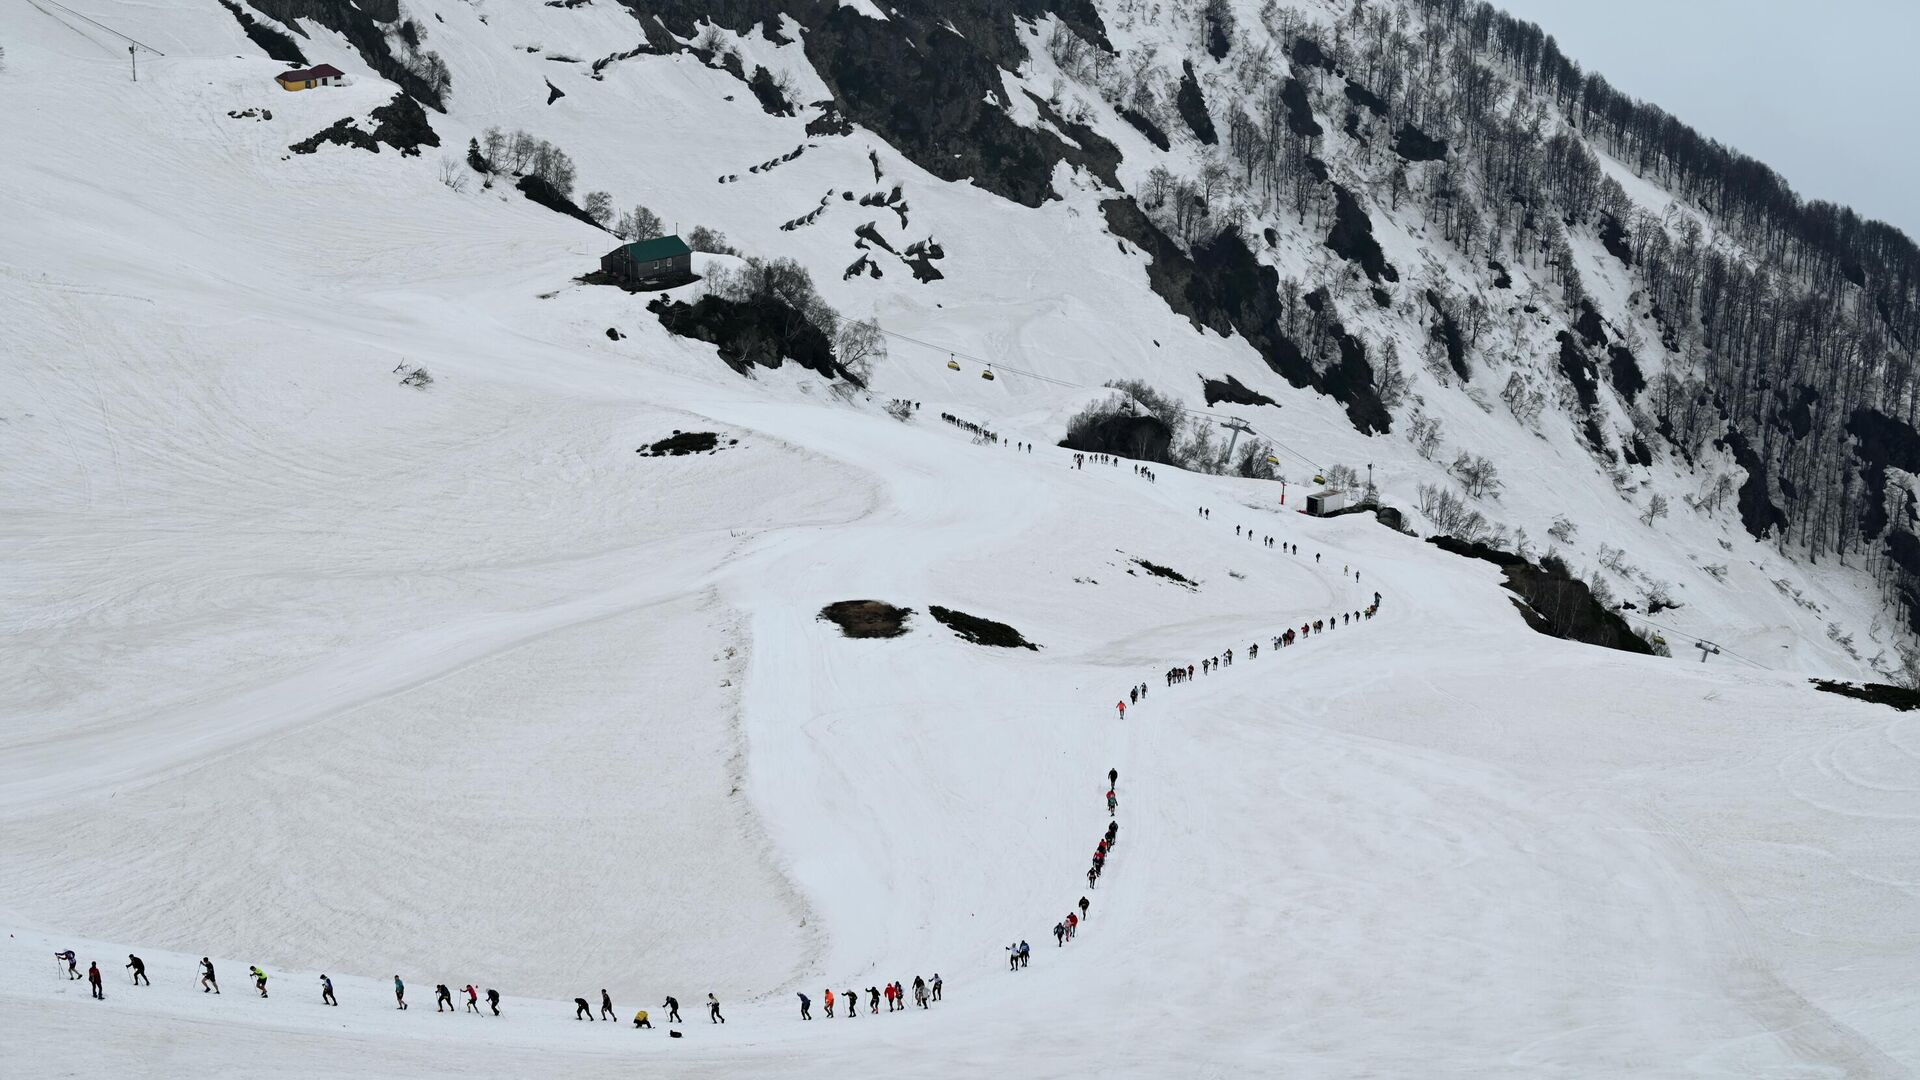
<point x="872" y="236"/>
<point x="1146" y="127"/>
<point x="1365" y="98"/>
<point x="1352" y="238"/>
<point x="1613" y="236"/>
<point x="1627" y="380"/>
<point x="554" y="93"/>
<point x="980" y="631"/>
<point x="1897" y="697"/>
<point x="1592" y="329"/>
<point x="1140" y="438"/>
<point x="539" y="191"/>
<point x="1447" y="332"/>
<point x="400" y="123"/>
<point x="1193" y="106"/>
<point x="767" y="92"/>
<point x="829" y="122"/>
<point x="681" y="443"/>
<point x="1552" y="600"/>
<point x="1167" y="572"/>
<point x="1229" y="389"/>
<point x="365" y="24"/>
<point x="1416" y="145"/>
<point x="1579" y="370"/>
<point x="1307" y="53"/>
<point x="1222" y="287"/>
<point x="763" y="331"/>
<point x="927" y="80"/>
<point x="1300" y="119"/>
<point x="867" y="618"/>
<point x="1757" y="511"/>
<point x="274" y="43"/>
<point x="920" y="257"/>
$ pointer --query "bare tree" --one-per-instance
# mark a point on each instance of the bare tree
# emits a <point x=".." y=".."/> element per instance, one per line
<point x="599" y="207"/>
<point x="1423" y="432"/>
<point x="1656" y="508"/>
<point x="453" y="173"/>
<point x="638" y="223"/>
<point x="859" y="345"/>
<point x="1389" y="377"/>
<point x="1477" y="475"/>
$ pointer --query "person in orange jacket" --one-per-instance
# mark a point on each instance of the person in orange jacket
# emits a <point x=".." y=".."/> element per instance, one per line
<point x="828" y="998"/>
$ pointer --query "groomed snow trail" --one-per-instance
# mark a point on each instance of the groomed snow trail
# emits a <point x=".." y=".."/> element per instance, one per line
<point x="319" y="672"/>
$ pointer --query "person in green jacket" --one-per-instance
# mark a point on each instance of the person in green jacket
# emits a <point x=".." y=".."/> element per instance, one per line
<point x="400" y="991"/>
<point x="259" y="980"/>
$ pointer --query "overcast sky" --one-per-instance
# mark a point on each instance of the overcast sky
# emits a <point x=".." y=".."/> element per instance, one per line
<point x="1824" y="91"/>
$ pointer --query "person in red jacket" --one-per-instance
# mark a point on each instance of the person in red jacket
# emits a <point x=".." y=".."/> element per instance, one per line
<point x="473" y="997"/>
<point x="93" y="977"/>
<point x="1122" y="706"/>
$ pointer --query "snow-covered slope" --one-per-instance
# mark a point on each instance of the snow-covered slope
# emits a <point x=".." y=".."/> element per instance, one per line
<point x="318" y="671"/>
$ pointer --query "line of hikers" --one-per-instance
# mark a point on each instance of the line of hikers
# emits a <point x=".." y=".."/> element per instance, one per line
<point x="443" y="994"/>
<point x="896" y="995"/>
<point x="1063" y="930"/>
<point x="1082" y="460"/>
<point x="583" y="1010"/>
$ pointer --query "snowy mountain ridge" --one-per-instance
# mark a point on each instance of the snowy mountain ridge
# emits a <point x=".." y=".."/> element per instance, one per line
<point x="349" y="633"/>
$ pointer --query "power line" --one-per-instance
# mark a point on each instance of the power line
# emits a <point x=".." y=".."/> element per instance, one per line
<point x="98" y="23"/>
<point x="1717" y="647"/>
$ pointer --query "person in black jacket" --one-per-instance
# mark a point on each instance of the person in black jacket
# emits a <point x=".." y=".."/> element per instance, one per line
<point x="139" y="969"/>
<point x="582" y="1010"/>
<point x="606" y="1005"/>
<point x="672" y="1006"/>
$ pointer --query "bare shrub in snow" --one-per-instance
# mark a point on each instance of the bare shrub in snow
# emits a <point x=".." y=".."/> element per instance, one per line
<point x="711" y="241"/>
<point x="1563" y="530"/>
<point x="410" y="375"/>
<point x="1523" y="400"/>
<point x="1717" y="571"/>
<point x="1602" y="589"/>
<point x="1423" y="432"/>
<point x="900" y="409"/>
<point x="1656" y="508"/>
<point x="453" y="173"/>
<point x="1477" y="475"/>
<point x="1450" y="514"/>
<point x="1613" y="558"/>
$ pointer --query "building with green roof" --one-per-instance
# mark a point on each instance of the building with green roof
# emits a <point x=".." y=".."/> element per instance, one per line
<point x="643" y="261"/>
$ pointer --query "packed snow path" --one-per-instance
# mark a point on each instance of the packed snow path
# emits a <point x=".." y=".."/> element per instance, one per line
<point x="344" y="673"/>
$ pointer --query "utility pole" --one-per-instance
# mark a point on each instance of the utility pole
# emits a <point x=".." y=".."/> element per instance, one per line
<point x="1706" y="648"/>
<point x="1238" y="427"/>
<point x="133" y="60"/>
